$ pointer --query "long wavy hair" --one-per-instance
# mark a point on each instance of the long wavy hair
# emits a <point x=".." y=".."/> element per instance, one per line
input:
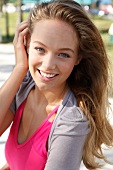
<point x="89" y="79"/>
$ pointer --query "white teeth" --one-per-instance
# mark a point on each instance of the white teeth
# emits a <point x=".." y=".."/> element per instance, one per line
<point x="47" y="75"/>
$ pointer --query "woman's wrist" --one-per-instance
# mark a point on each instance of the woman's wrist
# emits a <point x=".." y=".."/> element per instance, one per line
<point x="20" y="69"/>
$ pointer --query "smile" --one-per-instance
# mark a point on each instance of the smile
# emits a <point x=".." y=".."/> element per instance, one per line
<point x="47" y="75"/>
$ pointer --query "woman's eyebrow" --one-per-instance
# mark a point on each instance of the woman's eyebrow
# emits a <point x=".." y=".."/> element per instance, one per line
<point x="67" y="49"/>
<point x="39" y="42"/>
<point x="63" y="48"/>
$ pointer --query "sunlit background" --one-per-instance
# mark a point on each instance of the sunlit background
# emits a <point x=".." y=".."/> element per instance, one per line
<point x="13" y="12"/>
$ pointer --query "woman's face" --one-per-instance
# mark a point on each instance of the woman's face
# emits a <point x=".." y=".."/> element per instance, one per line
<point x="52" y="53"/>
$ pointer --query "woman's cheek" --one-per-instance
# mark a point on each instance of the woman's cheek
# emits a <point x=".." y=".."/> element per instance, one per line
<point x="33" y="59"/>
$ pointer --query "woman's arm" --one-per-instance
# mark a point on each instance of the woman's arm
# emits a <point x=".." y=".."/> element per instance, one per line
<point x="66" y="141"/>
<point x="9" y="89"/>
<point x="66" y="153"/>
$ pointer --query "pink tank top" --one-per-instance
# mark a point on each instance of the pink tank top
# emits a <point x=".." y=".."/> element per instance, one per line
<point x="32" y="154"/>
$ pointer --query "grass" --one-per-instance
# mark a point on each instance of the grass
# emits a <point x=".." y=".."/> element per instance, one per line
<point x="102" y="24"/>
<point x="13" y="22"/>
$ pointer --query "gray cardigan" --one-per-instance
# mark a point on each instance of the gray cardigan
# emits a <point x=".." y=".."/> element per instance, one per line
<point x="68" y="133"/>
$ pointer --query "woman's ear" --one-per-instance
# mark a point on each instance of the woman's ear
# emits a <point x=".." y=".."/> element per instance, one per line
<point x="78" y="60"/>
<point x="28" y="38"/>
<point x="27" y="47"/>
<point x="27" y="42"/>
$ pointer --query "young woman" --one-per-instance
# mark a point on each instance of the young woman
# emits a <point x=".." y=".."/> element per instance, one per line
<point x="58" y="114"/>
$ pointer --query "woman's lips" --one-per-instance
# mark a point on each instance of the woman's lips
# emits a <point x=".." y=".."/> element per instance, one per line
<point x="47" y="76"/>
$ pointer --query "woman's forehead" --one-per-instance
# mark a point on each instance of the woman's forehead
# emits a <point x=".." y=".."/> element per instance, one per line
<point x="55" y="30"/>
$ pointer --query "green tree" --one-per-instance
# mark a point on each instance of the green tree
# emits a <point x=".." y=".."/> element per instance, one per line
<point x="6" y="19"/>
<point x="1" y="4"/>
<point x="20" y="18"/>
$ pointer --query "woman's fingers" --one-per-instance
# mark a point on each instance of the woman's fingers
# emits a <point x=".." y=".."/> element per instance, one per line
<point x="22" y="37"/>
<point x="19" y="42"/>
<point x="19" y="29"/>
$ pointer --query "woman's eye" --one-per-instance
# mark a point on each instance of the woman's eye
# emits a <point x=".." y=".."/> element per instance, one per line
<point x="64" y="55"/>
<point x="40" y="49"/>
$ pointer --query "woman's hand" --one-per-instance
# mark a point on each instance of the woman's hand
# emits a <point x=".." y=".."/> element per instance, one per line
<point x="20" y="45"/>
<point x="11" y="86"/>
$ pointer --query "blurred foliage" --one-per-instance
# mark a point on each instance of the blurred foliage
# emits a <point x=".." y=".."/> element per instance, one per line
<point x="103" y="26"/>
<point x="13" y="21"/>
<point x="102" y="23"/>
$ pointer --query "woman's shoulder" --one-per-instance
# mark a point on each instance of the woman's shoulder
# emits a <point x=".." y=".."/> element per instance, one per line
<point x="25" y="87"/>
<point x="71" y="109"/>
<point x="71" y="118"/>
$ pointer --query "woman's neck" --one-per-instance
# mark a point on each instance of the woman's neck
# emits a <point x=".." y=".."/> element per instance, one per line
<point x="49" y="97"/>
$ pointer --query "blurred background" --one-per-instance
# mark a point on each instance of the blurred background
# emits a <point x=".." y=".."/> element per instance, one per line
<point x="13" y="12"/>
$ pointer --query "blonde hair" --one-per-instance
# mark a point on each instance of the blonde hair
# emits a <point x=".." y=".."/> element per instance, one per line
<point x="89" y="79"/>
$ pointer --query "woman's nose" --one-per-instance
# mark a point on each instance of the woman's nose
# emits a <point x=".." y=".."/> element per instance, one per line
<point x="49" y="62"/>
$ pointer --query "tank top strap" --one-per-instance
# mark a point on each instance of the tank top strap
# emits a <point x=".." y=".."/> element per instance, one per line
<point x="53" y="111"/>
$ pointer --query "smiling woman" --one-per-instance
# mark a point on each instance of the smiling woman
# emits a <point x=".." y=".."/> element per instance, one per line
<point x="58" y="104"/>
<point x="51" y="63"/>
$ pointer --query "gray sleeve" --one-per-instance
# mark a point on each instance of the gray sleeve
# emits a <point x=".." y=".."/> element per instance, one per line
<point x="67" y="143"/>
<point x="23" y="92"/>
<point x="66" y="153"/>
